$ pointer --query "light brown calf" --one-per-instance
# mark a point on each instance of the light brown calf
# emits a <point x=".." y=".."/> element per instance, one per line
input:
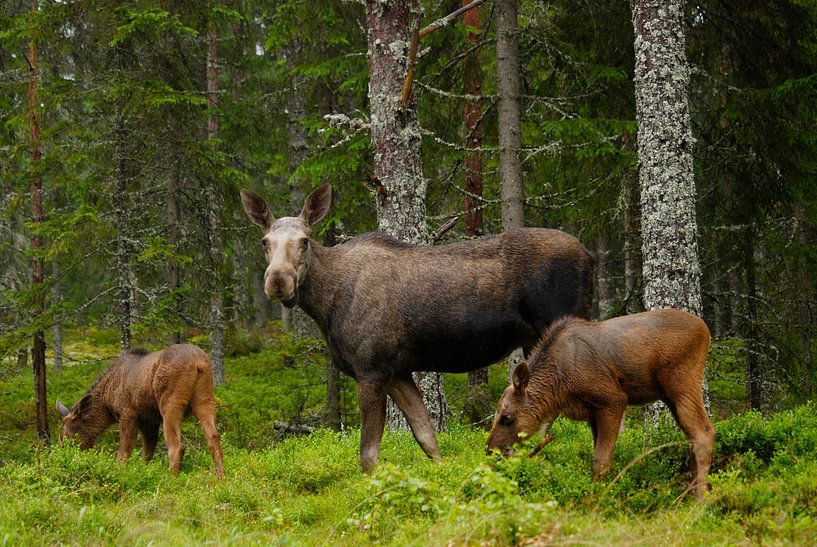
<point x="592" y="371"/>
<point x="142" y="391"/>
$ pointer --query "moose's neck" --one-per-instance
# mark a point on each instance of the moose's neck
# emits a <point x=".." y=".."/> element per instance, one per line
<point x="95" y="420"/>
<point x="545" y="393"/>
<point x="316" y="287"/>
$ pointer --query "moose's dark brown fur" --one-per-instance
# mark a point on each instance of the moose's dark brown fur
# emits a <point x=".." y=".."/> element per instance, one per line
<point x="388" y="308"/>
<point x="592" y="371"/>
<point x="142" y="391"/>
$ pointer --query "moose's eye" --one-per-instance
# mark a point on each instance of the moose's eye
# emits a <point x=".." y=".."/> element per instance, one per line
<point x="264" y="243"/>
<point x="506" y="420"/>
<point x="304" y="243"/>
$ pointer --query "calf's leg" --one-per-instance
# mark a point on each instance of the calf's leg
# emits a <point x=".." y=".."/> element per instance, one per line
<point x="607" y="421"/>
<point x="172" y="417"/>
<point x="205" y="413"/>
<point x="408" y="399"/>
<point x="371" y="397"/>
<point x="127" y="437"/>
<point x="150" y="436"/>
<point x="690" y="413"/>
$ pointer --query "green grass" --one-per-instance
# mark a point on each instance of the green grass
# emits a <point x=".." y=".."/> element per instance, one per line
<point x="310" y="490"/>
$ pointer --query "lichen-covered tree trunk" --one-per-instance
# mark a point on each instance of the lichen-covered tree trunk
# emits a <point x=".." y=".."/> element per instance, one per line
<point x="37" y="245"/>
<point x="512" y="190"/>
<point x="214" y="218"/>
<point x="396" y="146"/>
<point x="671" y="269"/>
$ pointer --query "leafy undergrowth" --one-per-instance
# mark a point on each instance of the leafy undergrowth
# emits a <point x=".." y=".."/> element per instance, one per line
<point x="310" y="490"/>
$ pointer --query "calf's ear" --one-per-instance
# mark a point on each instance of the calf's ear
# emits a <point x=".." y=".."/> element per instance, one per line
<point x="521" y="375"/>
<point x="317" y="204"/>
<point x="257" y="209"/>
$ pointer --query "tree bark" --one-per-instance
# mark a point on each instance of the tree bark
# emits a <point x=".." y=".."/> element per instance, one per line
<point x="57" y="292"/>
<point x="396" y="145"/>
<point x="754" y="374"/>
<point x="478" y="405"/>
<point x="512" y="190"/>
<point x="671" y="269"/>
<point x="632" y="247"/>
<point x="214" y="217"/>
<point x="605" y="285"/>
<point x="174" y="280"/>
<point x="122" y="220"/>
<point x="37" y="245"/>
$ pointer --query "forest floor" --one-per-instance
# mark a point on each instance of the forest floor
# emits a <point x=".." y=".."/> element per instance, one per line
<point x="310" y="490"/>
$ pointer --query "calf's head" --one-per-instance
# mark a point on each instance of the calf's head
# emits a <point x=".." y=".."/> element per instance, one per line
<point x="72" y="421"/>
<point x="286" y="241"/>
<point x="516" y="417"/>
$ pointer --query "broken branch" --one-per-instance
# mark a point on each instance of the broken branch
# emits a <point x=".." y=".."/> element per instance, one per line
<point x="543" y="443"/>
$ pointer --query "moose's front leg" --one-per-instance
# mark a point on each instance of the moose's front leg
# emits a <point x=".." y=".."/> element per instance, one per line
<point x="371" y="397"/>
<point x="127" y="436"/>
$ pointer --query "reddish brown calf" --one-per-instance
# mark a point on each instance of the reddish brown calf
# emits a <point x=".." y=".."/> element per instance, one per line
<point x="142" y="391"/>
<point x="592" y="371"/>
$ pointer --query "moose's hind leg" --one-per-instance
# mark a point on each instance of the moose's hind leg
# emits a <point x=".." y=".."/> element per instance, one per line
<point x="205" y="413"/>
<point x="150" y="437"/>
<point x="690" y="414"/>
<point x="172" y="417"/>
<point x="409" y="400"/>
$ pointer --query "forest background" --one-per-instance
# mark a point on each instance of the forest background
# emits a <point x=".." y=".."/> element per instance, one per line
<point x="140" y="121"/>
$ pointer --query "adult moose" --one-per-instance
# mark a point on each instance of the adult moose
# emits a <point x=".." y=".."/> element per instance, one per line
<point x="142" y="391"/>
<point x="592" y="371"/>
<point x="387" y="308"/>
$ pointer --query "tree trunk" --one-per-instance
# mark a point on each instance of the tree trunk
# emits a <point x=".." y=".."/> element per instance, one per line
<point x="214" y="217"/>
<point x="632" y="247"/>
<point x="57" y="291"/>
<point x="174" y="279"/>
<point x="605" y="285"/>
<point x="37" y="246"/>
<point x="754" y="374"/>
<point x="510" y="133"/>
<point x="671" y="268"/>
<point x="122" y="228"/>
<point x="294" y="319"/>
<point x="478" y="403"/>
<point x="396" y="146"/>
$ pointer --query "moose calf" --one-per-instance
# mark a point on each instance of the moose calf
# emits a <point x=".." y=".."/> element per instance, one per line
<point x="142" y="391"/>
<point x="592" y="371"/>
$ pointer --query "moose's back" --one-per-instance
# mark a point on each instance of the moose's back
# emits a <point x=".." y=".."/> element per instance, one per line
<point x="453" y="307"/>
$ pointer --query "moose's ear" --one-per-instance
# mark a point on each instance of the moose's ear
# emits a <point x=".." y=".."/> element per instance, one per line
<point x="317" y="204"/>
<point x="257" y="209"/>
<point x="61" y="409"/>
<point x="521" y="375"/>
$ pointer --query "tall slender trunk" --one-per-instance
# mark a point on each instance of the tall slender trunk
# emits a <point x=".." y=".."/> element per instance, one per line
<point x="297" y="148"/>
<point x="122" y="206"/>
<point x="396" y="145"/>
<point x="37" y="246"/>
<point x="478" y="405"/>
<point x="174" y="278"/>
<point x="754" y="374"/>
<point x="57" y="295"/>
<point x="632" y="247"/>
<point x="605" y="285"/>
<point x="671" y="269"/>
<point x="512" y="189"/>
<point x="214" y="217"/>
